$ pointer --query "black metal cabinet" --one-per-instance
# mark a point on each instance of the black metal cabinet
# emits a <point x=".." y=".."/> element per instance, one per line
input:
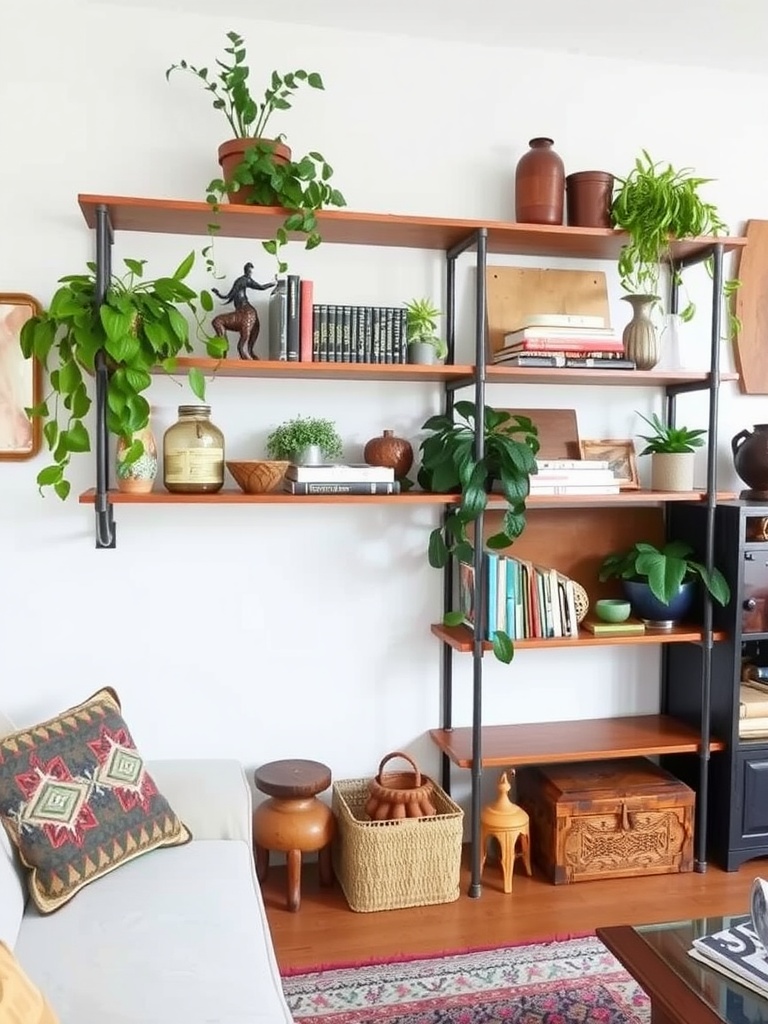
<point x="738" y="777"/>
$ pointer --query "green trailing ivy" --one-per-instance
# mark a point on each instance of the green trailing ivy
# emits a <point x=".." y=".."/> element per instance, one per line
<point x="449" y="464"/>
<point x="138" y="327"/>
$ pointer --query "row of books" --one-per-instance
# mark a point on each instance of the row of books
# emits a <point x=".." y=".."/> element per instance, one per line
<point x="301" y="330"/>
<point x="340" y="478"/>
<point x="522" y="599"/>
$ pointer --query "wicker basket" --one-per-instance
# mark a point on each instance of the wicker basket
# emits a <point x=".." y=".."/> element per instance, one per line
<point x="386" y="865"/>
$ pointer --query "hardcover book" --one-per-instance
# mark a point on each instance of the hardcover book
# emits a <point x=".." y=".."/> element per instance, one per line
<point x="736" y="952"/>
<point x="628" y="627"/>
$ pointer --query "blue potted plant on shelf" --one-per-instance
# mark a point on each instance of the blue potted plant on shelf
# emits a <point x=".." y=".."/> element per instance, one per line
<point x="661" y="583"/>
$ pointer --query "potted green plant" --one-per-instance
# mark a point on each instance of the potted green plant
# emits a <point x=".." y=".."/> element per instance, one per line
<point x="139" y="326"/>
<point x="673" y="454"/>
<point x="660" y="583"/>
<point x="257" y="169"/>
<point x="424" y="343"/>
<point x="305" y="440"/>
<point x="449" y="464"/>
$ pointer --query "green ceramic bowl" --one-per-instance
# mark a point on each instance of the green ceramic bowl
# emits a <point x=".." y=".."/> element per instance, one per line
<point x="612" y="609"/>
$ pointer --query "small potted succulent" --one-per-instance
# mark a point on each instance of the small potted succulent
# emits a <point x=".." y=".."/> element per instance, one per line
<point x="424" y="343"/>
<point x="305" y="440"/>
<point x="660" y="583"/>
<point x="257" y="169"/>
<point x="673" y="454"/>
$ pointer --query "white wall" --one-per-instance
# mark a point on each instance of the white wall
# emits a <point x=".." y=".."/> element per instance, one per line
<point x="273" y="632"/>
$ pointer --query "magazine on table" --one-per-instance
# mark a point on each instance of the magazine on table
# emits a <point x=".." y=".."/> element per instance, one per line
<point x="739" y="951"/>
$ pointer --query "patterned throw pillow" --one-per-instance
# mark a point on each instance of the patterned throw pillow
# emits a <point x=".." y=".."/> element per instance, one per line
<point x="20" y="1000"/>
<point x="78" y="802"/>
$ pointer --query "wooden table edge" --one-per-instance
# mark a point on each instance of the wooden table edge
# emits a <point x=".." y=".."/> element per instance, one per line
<point x="672" y="1000"/>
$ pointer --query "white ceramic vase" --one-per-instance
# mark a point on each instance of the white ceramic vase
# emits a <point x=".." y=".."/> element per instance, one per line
<point x="672" y="471"/>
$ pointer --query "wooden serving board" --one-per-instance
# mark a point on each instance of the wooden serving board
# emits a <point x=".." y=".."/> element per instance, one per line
<point x="751" y="343"/>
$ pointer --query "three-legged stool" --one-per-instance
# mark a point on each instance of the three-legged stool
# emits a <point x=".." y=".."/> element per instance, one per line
<point x="507" y="823"/>
<point x="293" y="821"/>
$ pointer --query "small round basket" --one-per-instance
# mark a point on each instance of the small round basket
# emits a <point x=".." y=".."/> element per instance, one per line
<point x="397" y="795"/>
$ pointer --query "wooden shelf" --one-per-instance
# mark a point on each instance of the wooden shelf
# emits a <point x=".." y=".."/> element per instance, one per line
<point x="639" y="497"/>
<point x="233" y="497"/>
<point x="461" y="638"/>
<point x="620" y="378"/>
<point x="182" y="217"/>
<point x="320" y="371"/>
<point x="589" y="739"/>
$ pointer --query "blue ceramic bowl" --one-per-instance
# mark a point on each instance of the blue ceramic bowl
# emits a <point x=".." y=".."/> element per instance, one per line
<point x="612" y="609"/>
<point x="645" y="606"/>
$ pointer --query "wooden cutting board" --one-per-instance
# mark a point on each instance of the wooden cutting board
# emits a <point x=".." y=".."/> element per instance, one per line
<point x="751" y="343"/>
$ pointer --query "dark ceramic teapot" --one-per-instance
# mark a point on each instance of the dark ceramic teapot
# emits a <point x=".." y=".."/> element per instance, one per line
<point x="750" y="460"/>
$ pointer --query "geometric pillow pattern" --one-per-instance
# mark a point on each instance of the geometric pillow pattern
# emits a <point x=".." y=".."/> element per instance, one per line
<point x="77" y="800"/>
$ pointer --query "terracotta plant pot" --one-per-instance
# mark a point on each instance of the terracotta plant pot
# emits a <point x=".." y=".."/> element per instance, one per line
<point x="231" y="156"/>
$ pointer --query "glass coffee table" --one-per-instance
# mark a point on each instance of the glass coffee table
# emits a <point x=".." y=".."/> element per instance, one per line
<point x="682" y="990"/>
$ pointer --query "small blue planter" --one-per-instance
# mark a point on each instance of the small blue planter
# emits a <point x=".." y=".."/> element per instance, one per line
<point x="654" y="612"/>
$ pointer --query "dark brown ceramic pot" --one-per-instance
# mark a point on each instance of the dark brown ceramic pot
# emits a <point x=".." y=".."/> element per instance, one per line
<point x="539" y="185"/>
<point x="588" y="199"/>
<point x="391" y="451"/>
<point x="750" y="460"/>
<point x="231" y="156"/>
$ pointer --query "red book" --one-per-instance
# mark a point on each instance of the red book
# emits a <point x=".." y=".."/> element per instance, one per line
<point x="306" y="295"/>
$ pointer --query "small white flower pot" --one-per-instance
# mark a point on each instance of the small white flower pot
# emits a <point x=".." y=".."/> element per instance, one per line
<point x="672" y="472"/>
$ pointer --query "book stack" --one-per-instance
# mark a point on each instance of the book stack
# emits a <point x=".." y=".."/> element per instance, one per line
<point x="563" y="340"/>
<point x="338" y="478"/>
<point x="573" y="476"/>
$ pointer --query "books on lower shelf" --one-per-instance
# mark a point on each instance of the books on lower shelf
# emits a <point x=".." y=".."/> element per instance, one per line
<point x="738" y="951"/>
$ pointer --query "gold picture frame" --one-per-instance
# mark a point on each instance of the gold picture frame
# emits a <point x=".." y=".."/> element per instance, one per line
<point x="620" y="453"/>
<point x="20" y="380"/>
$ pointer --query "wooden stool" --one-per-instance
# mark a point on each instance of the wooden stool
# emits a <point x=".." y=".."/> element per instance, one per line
<point x="506" y="822"/>
<point x="292" y="821"/>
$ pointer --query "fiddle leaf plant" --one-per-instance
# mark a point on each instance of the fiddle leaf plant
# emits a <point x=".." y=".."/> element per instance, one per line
<point x="138" y="327"/>
<point x="449" y="463"/>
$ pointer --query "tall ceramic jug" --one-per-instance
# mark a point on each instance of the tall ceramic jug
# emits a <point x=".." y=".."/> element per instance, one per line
<point x="750" y="460"/>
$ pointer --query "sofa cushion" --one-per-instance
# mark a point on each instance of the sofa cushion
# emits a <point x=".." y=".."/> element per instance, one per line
<point x="20" y="1001"/>
<point x="178" y="937"/>
<point x="77" y="800"/>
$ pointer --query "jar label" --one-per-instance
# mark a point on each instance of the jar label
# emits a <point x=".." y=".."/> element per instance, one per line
<point x="194" y="466"/>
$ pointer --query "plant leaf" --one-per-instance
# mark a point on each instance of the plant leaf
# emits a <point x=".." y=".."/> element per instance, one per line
<point x="197" y="382"/>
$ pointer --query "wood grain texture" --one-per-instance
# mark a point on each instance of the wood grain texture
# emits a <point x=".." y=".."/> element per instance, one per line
<point x="182" y="217"/>
<point x="750" y="350"/>
<point x="582" y="740"/>
<point x="461" y="638"/>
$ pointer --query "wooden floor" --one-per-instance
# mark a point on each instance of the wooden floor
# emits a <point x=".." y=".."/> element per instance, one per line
<point x="326" y="932"/>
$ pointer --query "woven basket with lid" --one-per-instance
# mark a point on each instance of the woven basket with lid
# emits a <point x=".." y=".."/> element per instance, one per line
<point x="400" y="794"/>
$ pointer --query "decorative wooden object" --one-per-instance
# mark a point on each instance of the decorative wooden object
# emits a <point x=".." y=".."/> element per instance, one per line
<point x="507" y="823"/>
<point x="608" y="819"/>
<point x="557" y="429"/>
<point x="293" y="821"/>
<point x="396" y="795"/>
<point x="752" y="310"/>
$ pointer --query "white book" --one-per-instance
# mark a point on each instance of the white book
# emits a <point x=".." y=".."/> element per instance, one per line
<point x="564" y="333"/>
<point x="570" y="476"/>
<point x="563" y="320"/>
<point x="579" y="464"/>
<point x="334" y="472"/>
<point x="548" y="489"/>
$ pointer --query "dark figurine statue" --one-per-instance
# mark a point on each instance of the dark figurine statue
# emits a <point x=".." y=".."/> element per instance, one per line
<point x="243" y="318"/>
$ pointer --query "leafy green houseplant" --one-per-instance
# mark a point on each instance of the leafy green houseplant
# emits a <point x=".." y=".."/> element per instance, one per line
<point x="449" y="463"/>
<point x="656" y="204"/>
<point x="424" y="343"/>
<point x="672" y="450"/>
<point x="290" y="439"/>
<point x="139" y="326"/>
<point x="259" y="170"/>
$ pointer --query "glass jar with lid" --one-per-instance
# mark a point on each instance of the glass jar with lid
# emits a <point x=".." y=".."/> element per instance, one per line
<point x="193" y="453"/>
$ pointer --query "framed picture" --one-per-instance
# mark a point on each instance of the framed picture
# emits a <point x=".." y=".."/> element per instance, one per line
<point x="20" y="380"/>
<point x="620" y="455"/>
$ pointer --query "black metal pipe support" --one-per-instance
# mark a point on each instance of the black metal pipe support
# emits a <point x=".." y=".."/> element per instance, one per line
<point x="105" y="522"/>
<point x="475" y="887"/>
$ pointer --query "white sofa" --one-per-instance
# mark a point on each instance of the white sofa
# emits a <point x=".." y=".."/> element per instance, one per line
<point x="179" y="934"/>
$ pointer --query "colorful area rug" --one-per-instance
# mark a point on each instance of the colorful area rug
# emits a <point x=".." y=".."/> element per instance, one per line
<point x="573" y="982"/>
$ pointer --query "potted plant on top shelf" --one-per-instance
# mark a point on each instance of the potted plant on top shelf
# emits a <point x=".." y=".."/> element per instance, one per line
<point x="139" y="326"/>
<point x="660" y="583"/>
<point x="424" y="343"/>
<point x="257" y="169"/>
<point x="449" y="464"/>
<point x="673" y="454"/>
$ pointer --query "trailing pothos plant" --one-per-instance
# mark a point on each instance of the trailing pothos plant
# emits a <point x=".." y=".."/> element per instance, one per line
<point x="449" y="463"/>
<point x="657" y="204"/>
<point x="138" y="326"/>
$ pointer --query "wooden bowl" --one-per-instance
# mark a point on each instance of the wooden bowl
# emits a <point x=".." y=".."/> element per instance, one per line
<point x="258" y="476"/>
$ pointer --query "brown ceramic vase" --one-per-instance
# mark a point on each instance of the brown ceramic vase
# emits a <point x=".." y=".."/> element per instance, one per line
<point x="388" y="450"/>
<point x="539" y="185"/>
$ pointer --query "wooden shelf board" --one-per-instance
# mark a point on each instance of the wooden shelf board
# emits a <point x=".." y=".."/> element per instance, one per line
<point x="233" y="497"/>
<point x="639" y="497"/>
<point x="616" y="378"/>
<point x="320" y="371"/>
<point x="176" y="216"/>
<point x="461" y="638"/>
<point x="590" y="739"/>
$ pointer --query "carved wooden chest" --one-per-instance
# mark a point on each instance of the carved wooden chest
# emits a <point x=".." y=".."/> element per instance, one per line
<point x="607" y="819"/>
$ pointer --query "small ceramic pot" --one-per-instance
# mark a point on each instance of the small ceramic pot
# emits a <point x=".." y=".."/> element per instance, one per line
<point x="612" y="609"/>
<point x="312" y="455"/>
